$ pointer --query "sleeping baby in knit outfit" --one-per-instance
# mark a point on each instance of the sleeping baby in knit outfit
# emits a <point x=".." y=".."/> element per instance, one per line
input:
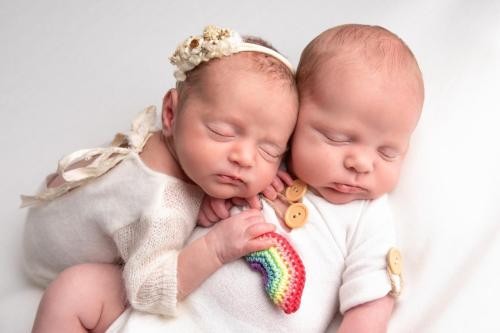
<point x="128" y="209"/>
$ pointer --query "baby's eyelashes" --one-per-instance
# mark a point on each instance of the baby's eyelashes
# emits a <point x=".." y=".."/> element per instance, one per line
<point x="225" y="133"/>
<point x="271" y="152"/>
<point x="221" y="131"/>
<point x="389" y="153"/>
<point x="338" y="138"/>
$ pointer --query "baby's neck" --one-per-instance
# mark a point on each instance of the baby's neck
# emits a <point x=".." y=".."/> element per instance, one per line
<point x="158" y="157"/>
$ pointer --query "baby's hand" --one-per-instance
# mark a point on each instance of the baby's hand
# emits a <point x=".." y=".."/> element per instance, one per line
<point x="238" y="235"/>
<point x="280" y="181"/>
<point x="213" y="210"/>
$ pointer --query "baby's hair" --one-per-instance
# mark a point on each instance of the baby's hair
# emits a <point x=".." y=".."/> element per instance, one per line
<point x="261" y="62"/>
<point x="374" y="46"/>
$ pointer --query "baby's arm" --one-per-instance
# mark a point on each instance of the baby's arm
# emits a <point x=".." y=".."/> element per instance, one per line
<point x="370" y="317"/>
<point x="89" y="297"/>
<point x="228" y="240"/>
<point x="364" y="293"/>
<point x="158" y="271"/>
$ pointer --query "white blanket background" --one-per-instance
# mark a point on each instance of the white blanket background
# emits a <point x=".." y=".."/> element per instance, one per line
<point x="72" y="73"/>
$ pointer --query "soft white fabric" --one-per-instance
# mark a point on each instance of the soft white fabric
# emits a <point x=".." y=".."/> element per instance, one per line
<point x="131" y="213"/>
<point x="343" y="247"/>
<point x="71" y="72"/>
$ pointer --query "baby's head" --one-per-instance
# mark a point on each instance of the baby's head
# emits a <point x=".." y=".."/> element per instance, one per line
<point x="230" y="117"/>
<point x="361" y="94"/>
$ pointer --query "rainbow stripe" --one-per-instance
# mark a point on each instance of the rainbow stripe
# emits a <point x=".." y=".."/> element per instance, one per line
<point x="283" y="272"/>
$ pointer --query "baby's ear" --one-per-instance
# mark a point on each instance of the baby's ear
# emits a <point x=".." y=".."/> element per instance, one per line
<point x="168" y="112"/>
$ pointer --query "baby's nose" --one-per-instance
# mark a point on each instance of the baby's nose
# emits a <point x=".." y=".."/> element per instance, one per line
<point x="242" y="154"/>
<point x="360" y="162"/>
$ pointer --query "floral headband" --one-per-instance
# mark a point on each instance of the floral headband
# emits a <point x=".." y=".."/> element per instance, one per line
<point x="214" y="43"/>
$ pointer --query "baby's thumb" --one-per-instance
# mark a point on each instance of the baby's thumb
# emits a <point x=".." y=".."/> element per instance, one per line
<point x="259" y="244"/>
<point x="254" y="202"/>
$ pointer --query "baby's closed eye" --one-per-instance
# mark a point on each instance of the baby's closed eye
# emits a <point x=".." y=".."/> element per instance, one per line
<point x="271" y="151"/>
<point x="220" y="130"/>
<point x="389" y="153"/>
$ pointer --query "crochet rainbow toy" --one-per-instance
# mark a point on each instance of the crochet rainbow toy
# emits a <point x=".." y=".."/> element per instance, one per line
<point x="283" y="272"/>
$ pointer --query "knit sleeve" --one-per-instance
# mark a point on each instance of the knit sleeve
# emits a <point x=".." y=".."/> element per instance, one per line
<point x="150" y="250"/>
<point x="369" y="240"/>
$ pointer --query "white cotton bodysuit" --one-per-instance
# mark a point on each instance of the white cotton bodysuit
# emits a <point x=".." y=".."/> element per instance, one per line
<point x="343" y="248"/>
<point x="132" y="215"/>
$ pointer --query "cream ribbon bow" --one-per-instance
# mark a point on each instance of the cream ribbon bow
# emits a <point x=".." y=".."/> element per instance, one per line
<point x="106" y="158"/>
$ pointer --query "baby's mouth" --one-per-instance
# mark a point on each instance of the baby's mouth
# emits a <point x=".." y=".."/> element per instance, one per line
<point x="229" y="179"/>
<point x="347" y="189"/>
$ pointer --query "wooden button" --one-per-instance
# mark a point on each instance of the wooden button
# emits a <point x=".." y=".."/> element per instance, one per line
<point x="296" y="191"/>
<point x="395" y="261"/>
<point x="296" y="215"/>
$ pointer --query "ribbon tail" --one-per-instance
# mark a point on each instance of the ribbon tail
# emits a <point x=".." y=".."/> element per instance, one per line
<point x="82" y="166"/>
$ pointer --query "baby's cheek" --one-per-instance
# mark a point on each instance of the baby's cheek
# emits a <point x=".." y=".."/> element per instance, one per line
<point x="388" y="180"/>
<point x="266" y="176"/>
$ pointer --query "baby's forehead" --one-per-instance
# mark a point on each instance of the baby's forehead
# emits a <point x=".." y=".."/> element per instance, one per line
<point x="358" y="96"/>
<point x="240" y="65"/>
<point x="350" y="82"/>
<point x="372" y="47"/>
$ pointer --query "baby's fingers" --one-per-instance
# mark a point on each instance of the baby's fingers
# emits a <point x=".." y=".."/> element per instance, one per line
<point x="202" y="220"/>
<point x="258" y="229"/>
<point x="270" y="192"/>
<point x="285" y="177"/>
<point x="259" y="244"/>
<point x="280" y="181"/>
<point x="254" y="202"/>
<point x="239" y="201"/>
<point x="278" y="184"/>
<point x="219" y="208"/>
<point x="210" y="214"/>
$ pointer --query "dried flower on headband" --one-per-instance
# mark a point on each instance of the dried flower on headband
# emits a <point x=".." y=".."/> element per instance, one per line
<point x="214" y="43"/>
